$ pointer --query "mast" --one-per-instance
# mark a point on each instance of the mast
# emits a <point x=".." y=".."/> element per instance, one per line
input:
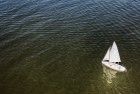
<point x="114" y="53"/>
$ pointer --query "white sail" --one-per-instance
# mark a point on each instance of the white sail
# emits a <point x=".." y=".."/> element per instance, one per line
<point x="107" y="54"/>
<point x="114" y="54"/>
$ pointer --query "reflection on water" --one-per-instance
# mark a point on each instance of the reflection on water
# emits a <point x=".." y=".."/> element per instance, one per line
<point x="109" y="74"/>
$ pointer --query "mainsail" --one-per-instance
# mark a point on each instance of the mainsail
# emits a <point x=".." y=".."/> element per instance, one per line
<point x="114" y="54"/>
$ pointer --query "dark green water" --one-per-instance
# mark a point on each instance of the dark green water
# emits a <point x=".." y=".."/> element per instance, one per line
<point x="56" y="46"/>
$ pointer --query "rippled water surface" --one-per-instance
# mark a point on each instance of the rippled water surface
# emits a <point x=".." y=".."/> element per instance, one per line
<point x="56" y="46"/>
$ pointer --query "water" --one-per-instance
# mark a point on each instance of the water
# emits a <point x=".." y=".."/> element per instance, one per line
<point x="56" y="46"/>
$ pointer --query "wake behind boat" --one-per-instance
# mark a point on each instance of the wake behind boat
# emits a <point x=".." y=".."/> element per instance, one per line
<point x="112" y="59"/>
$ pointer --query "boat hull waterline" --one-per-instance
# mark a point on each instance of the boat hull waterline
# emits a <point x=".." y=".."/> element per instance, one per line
<point x="114" y="66"/>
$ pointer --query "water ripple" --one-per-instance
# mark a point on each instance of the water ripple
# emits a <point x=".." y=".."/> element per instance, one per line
<point x="56" y="46"/>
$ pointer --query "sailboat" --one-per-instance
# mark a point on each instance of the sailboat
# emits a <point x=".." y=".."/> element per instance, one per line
<point x="112" y="59"/>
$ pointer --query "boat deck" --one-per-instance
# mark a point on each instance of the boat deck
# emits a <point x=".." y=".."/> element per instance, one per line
<point x="114" y="66"/>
